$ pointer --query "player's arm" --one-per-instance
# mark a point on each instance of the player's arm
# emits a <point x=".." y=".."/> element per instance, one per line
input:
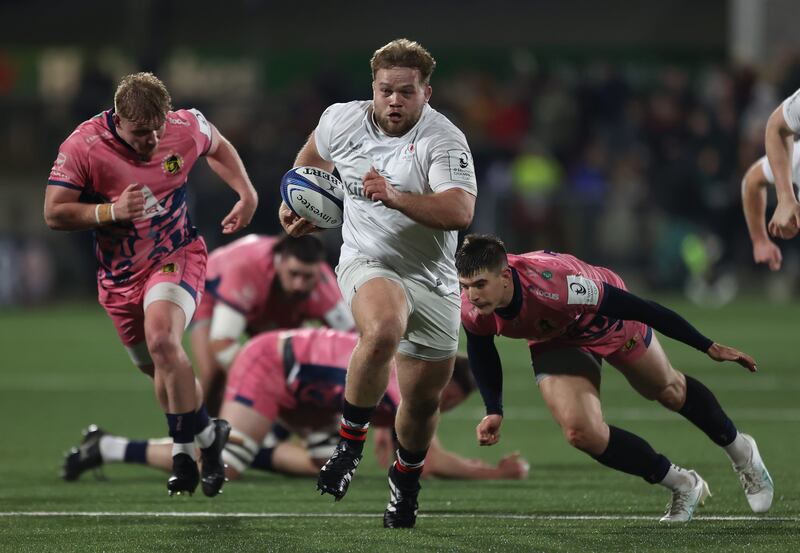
<point x="445" y="464"/>
<point x="451" y="209"/>
<point x="63" y="209"/>
<point x="484" y="362"/>
<point x="779" y="143"/>
<point x="308" y="156"/>
<point x="620" y="304"/>
<point x="224" y="160"/>
<point x="754" y="203"/>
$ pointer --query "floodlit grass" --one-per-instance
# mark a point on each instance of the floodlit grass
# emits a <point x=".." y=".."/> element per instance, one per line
<point x="63" y="368"/>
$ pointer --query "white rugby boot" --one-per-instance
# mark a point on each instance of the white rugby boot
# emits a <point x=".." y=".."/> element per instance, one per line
<point x="683" y="503"/>
<point x="755" y="479"/>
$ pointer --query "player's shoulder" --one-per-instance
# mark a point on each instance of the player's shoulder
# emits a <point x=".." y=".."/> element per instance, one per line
<point x="188" y="120"/>
<point x="89" y="133"/>
<point x="437" y="125"/>
<point x="345" y="111"/>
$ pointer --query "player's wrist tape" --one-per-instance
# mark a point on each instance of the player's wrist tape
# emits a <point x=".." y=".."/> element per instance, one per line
<point x="104" y="214"/>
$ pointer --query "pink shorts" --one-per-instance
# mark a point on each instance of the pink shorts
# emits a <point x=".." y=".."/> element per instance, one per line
<point x="619" y="346"/>
<point x="205" y="309"/>
<point x="185" y="267"/>
<point x="257" y="378"/>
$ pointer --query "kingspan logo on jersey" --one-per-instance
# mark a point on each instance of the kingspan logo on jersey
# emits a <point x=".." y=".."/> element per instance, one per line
<point x="354" y="187"/>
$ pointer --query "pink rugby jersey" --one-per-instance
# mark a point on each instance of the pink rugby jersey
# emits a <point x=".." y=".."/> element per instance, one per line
<point x="560" y="298"/>
<point x="303" y="383"/>
<point x="242" y="275"/>
<point x="97" y="162"/>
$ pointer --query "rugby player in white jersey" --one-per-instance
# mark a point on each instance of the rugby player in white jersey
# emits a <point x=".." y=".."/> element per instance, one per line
<point x="409" y="187"/>
<point x="782" y="129"/>
<point x="755" y="183"/>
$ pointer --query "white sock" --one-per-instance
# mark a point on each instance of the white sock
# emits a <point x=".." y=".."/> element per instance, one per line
<point x="112" y="448"/>
<point x="739" y="450"/>
<point x="188" y="449"/>
<point x="678" y="479"/>
<point x="206" y="437"/>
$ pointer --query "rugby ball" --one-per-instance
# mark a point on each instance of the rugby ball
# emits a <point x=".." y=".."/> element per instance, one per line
<point x="315" y="195"/>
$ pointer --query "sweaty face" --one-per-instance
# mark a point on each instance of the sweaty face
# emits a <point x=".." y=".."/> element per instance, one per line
<point x="398" y="97"/>
<point x="142" y="137"/>
<point x="297" y="279"/>
<point x="487" y="290"/>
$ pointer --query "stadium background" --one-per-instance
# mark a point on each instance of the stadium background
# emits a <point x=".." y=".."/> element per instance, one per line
<point x="615" y="130"/>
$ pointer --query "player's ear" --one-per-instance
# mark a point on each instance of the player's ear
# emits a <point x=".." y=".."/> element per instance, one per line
<point x="428" y="92"/>
<point x="116" y="119"/>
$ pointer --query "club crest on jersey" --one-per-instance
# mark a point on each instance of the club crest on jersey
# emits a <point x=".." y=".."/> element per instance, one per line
<point x="172" y="164"/>
<point x="169" y="268"/>
<point x="408" y="152"/>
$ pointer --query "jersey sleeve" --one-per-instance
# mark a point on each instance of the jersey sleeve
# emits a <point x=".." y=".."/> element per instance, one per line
<point x="451" y="164"/>
<point x="569" y="292"/>
<point x="201" y="130"/>
<point x="791" y="111"/>
<point x="323" y="134"/>
<point x="71" y="167"/>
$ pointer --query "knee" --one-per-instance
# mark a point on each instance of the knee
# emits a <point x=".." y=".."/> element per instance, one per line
<point x="673" y="395"/>
<point x="164" y="349"/>
<point x="381" y="337"/>
<point x="584" y="437"/>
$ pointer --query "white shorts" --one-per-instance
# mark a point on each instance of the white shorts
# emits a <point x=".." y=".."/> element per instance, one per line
<point x="433" y="320"/>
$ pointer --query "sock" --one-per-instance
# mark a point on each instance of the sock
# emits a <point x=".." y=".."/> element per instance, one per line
<point x="263" y="459"/>
<point x="739" y="450"/>
<point x="702" y="409"/>
<point x="409" y="462"/>
<point x="112" y="448"/>
<point x="629" y="453"/>
<point x="205" y="431"/>
<point x="136" y="452"/>
<point x="181" y="429"/>
<point x="354" y="424"/>
<point x="677" y="479"/>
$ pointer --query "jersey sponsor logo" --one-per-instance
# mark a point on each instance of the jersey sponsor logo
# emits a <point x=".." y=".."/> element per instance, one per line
<point x="460" y="165"/>
<point x="178" y="121"/>
<point x="172" y="164"/>
<point x="581" y="291"/>
<point x="59" y="174"/>
<point x="169" y="268"/>
<point x="91" y="139"/>
<point x="152" y="206"/>
<point x="545" y="294"/>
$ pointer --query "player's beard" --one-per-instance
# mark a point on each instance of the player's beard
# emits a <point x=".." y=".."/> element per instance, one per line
<point x="400" y="126"/>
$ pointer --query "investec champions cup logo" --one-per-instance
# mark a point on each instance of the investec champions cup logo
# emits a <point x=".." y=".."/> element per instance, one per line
<point x="172" y="164"/>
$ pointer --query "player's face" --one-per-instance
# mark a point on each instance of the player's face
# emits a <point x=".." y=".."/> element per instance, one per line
<point x="297" y="279"/>
<point x="398" y="97"/>
<point x="142" y="137"/>
<point x="487" y="290"/>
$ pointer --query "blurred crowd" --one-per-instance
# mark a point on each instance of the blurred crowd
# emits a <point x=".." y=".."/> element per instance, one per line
<point x="636" y="165"/>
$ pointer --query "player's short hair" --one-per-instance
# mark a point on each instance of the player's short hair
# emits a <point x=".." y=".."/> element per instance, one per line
<point x="462" y="375"/>
<point x="404" y="53"/>
<point x="306" y="248"/>
<point x="479" y="252"/>
<point x="142" y="98"/>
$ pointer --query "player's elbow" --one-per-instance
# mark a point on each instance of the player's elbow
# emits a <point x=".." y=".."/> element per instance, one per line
<point x="52" y="220"/>
<point x="462" y="219"/>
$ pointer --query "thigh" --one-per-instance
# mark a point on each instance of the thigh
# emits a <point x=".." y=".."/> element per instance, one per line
<point x="126" y="312"/>
<point x="246" y="420"/>
<point x="422" y="379"/>
<point x="569" y="380"/>
<point x="179" y="279"/>
<point x="651" y="372"/>
<point x="380" y="302"/>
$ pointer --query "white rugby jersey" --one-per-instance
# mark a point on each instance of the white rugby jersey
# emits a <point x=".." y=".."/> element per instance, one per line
<point x="433" y="156"/>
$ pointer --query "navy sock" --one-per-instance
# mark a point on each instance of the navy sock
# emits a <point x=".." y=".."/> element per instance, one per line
<point x="263" y="459"/>
<point x="703" y="410"/>
<point x="181" y="427"/>
<point x="136" y="452"/>
<point x="629" y="453"/>
<point x="354" y="425"/>
<point x="201" y="420"/>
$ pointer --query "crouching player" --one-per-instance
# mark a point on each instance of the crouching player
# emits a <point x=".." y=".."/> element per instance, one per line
<point x="296" y="377"/>
<point x="574" y="315"/>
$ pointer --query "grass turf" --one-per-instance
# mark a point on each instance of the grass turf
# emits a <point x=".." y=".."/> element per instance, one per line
<point x="63" y="369"/>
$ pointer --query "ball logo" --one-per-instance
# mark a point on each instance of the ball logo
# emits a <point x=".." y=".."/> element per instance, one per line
<point x="579" y="289"/>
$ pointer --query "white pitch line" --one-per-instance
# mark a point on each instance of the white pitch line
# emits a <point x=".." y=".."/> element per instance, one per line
<point x="506" y="516"/>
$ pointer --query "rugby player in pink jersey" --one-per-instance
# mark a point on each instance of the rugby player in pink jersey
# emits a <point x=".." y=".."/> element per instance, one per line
<point x="574" y="315"/>
<point x="296" y="377"/>
<point x="255" y="284"/>
<point x="123" y="174"/>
